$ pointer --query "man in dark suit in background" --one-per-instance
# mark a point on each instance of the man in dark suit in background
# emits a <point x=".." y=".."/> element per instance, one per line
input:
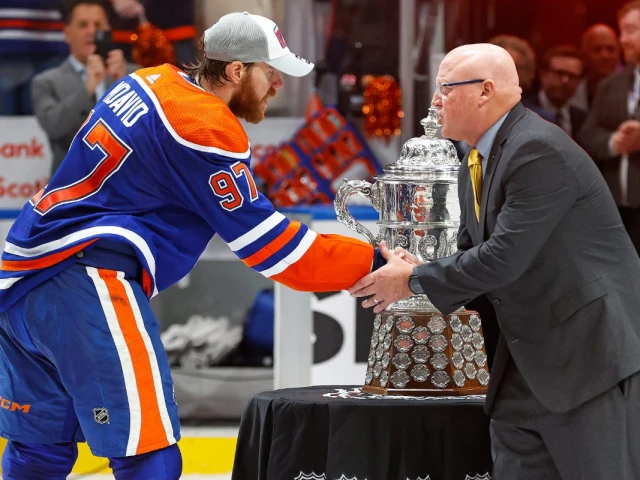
<point x="601" y="55"/>
<point x="541" y="237"/>
<point x="63" y="96"/>
<point x="611" y="133"/>
<point x="560" y="73"/>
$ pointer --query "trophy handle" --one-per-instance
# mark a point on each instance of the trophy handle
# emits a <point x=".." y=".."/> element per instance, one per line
<point x="348" y="188"/>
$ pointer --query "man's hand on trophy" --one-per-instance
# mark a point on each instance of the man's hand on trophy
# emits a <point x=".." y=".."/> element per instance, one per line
<point x="407" y="257"/>
<point x="387" y="284"/>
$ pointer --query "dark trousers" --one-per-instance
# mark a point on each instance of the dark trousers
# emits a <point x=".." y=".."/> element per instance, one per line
<point x="599" y="440"/>
<point x="631" y="221"/>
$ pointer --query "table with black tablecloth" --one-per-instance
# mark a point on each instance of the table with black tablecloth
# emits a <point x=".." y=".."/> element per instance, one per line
<point x="333" y="432"/>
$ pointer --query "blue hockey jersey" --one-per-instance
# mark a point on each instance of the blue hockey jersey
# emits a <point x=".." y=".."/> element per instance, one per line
<point x="159" y="167"/>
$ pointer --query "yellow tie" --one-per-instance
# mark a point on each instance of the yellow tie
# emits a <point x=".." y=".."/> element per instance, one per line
<point x="475" y="169"/>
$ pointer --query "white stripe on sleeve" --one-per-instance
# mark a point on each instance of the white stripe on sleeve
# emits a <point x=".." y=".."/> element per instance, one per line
<point x="294" y="256"/>
<point x="256" y="232"/>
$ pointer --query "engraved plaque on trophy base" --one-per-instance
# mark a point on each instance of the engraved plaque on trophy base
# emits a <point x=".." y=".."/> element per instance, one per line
<point x="427" y="354"/>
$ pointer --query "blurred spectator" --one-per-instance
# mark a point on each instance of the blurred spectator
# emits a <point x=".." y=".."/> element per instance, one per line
<point x="63" y="96"/>
<point x="601" y="55"/>
<point x="523" y="56"/>
<point x="611" y="133"/>
<point x="31" y="40"/>
<point x="177" y="22"/>
<point x="525" y="59"/>
<point x="560" y="72"/>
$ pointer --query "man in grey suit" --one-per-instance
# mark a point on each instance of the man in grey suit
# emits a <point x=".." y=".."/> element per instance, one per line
<point x="63" y="96"/>
<point x="611" y="132"/>
<point x="541" y="237"/>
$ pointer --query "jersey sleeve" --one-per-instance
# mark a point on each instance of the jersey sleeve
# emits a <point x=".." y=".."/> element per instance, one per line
<point x="223" y="191"/>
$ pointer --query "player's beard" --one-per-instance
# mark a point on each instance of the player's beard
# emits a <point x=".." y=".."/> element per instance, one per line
<point x="246" y="104"/>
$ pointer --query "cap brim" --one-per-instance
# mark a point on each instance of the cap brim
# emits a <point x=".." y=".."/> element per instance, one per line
<point x="291" y="64"/>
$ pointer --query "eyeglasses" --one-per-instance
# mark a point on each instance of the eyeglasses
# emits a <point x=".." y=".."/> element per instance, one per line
<point x="443" y="89"/>
<point x="564" y="75"/>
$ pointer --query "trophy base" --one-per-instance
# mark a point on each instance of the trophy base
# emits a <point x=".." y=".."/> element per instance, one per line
<point x="424" y="392"/>
<point x="425" y="353"/>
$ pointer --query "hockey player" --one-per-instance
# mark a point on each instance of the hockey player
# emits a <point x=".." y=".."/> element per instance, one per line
<point x="159" y="167"/>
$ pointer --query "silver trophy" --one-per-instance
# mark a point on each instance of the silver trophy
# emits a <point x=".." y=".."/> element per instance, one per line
<point x="415" y="350"/>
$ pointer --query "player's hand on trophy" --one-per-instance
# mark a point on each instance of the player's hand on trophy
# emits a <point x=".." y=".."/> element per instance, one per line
<point x="387" y="284"/>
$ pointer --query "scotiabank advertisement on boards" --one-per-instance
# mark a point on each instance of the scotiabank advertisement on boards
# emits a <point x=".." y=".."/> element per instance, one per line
<point x="25" y="155"/>
<point x="25" y="161"/>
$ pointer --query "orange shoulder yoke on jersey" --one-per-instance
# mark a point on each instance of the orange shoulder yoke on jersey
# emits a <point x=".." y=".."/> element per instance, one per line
<point x="196" y="116"/>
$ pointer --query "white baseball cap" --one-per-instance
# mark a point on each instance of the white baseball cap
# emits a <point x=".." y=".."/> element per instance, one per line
<point x="251" y="38"/>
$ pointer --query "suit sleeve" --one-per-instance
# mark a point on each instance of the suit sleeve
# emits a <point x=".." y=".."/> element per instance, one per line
<point x="538" y="195"/>
<point x="593" y="136"/>
<point x="223" y="191"/>
<point x="58" y="117"/>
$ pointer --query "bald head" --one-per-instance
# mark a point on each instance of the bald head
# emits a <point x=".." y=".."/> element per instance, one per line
<point x="484" y="60"/>
<point x="598" y="32"/>
<point x="485" y="87"/>
<point x="600" y="50"/>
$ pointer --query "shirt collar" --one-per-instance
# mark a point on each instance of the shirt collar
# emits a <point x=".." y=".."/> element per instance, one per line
<point x="77" y="65"/>
<point x="486" y="140"/>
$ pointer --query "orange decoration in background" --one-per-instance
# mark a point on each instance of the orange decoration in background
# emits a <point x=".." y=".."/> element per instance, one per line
<point x="382" y="107"/>
<point x="151" y="46"/>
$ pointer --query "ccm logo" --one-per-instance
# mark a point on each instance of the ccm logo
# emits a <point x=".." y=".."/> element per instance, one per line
<point x="13" y="406"/>
<point x="29" y="150"/>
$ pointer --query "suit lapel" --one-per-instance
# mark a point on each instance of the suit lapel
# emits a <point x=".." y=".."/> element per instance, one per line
<point x="516" y="114"/>
<point x="492" y="162"/>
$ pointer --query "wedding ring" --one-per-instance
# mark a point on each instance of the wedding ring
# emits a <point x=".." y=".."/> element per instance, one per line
<point x="375" y="299"/>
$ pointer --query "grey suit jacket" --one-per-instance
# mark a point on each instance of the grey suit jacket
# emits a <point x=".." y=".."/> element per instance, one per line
<point x="61" y="104"/>
<point x="552" y="255"/>
<point x="608" y="111"/>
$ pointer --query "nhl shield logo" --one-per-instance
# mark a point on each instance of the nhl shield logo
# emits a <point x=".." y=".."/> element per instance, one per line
<point x="278" y="33"/>
<point x="477" y="476"/>
<point x="101" y="415"/>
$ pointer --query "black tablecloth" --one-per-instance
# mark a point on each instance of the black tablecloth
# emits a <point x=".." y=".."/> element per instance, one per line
<point x="333" y="433"/>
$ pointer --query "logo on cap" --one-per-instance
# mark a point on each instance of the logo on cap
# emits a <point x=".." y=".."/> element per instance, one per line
<point x="278" y="33"/>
